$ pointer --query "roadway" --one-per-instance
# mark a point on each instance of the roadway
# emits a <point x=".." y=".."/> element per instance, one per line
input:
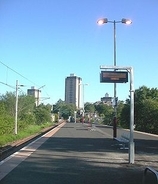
<point x="73" y="153"/>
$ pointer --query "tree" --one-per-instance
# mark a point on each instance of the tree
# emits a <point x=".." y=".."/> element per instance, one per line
<point x="146" y="111"/>
<point x="101" y="108"/>
<point x="146" y="108"/>
<point x="89" y="107"/>
<point x="9" y="101"/>
<point x="42" y="114"/>
<point x="124" y="119"/>
<point x="108" y="115"/>
<point x="144" y="93"/>
<point x="64" y="109"/>
<point x="2" y="109"/>
<point x="26" y="105"/>
<point x="28" y="113"/>
<point x="119" y="111"/>
<point x="67" y="110"/>
<point x="106" y="112"/>
<point x="58" y="105"/>
<point x="6" y="121"/>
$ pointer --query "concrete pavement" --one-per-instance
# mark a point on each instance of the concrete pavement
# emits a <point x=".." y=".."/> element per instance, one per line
<point x="77" y="153"/>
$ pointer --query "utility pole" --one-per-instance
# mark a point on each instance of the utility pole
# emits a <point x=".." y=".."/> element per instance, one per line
<point x="16" y="108"/>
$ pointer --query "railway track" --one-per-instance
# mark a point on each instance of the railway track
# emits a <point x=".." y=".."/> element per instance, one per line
<point x="17" y="145"/>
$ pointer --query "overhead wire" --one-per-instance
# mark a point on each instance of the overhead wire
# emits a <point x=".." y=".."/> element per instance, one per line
<point x="17" y="74"/>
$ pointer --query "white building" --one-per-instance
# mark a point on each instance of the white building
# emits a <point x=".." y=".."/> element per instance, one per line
<point x="73" y="90"/>
<point x="35" y="93"/>
<point x="107" y="99"/>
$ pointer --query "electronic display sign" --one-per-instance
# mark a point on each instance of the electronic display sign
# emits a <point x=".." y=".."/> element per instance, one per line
<point x="113" y="77"/>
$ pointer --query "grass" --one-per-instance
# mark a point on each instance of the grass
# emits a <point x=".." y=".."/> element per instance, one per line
<point x="30" y="130"/>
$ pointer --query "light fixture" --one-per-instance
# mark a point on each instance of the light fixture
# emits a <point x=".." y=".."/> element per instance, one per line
<point x="126" y="21"/>
<point x="102" y="21"/>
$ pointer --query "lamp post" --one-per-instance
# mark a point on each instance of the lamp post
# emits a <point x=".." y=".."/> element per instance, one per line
<point x="83" y="96"/>
<point x="75" y="116"/>
<point x="58" y="116"/>
<point x="16" y="107"/>
<point x="101" y="22"/>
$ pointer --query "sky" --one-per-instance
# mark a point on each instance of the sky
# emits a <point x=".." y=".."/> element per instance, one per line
<point x="44" y="41"/>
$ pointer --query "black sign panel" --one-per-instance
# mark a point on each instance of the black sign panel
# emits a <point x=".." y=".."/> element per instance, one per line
<point x="113" y="77"/>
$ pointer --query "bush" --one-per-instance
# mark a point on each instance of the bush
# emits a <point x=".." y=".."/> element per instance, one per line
<point x="6" y="125"/>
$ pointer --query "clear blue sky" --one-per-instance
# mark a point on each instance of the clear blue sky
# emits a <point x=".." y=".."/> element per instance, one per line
<point x="46" y="40"/>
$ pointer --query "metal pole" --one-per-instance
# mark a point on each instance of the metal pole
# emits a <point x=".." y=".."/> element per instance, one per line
<point x="58" y="117"/>
<point x="131" y="143"/>
<point x="83" y="100"/>
<point x="75" y="115"/>
<point x="114" y="43"/>
<point x="16" y="108"/>
<point x="115" y="107"/>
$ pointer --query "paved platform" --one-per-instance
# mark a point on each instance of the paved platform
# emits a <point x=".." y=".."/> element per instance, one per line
<point x="74" y="153"/>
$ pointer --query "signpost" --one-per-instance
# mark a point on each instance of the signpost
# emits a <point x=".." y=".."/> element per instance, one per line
<point x="113" y="77"/>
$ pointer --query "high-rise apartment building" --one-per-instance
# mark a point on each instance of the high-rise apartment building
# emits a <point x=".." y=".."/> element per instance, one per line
<point x="73" y="90"/>
<point x="35" y="93"/>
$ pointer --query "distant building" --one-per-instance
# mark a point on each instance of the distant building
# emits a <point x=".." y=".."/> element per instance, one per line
<point x="107" y="99"/>
<point x="35" y="93"/>
<point x="73" y="90"/>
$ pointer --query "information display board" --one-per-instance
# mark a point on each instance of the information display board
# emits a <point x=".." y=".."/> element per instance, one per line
<point x="113" y="77"/>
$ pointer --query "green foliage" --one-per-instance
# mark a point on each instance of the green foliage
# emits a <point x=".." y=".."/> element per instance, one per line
<point x="5" y="139"/>
<point x="119" y="111"/>
<point x="28" y="114"/>
<point x="106" y="112"/>
<point x="146" y="110"/>
<point x="26" y="104"/>
<point x="65" y="110"/>
<point x="58" y="105"/>
<point x="30" y="130"/>
<point x="89" y="107"/>
<point x="108" y="115"/>
<point x="31" y="117"/>
<point x="9" y="102"/>
<point x="6" y="124"/>
<point x="144" y="93"/>
<point x="125" y="116"/>
<point x="30" y="120"/>
<point x="2" y="108"/>
<point x="146" y="113"/>
<point x="102" y="108"/>
<point x="42" y="114"/>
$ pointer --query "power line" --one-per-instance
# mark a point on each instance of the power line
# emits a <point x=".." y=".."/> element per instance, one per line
<point x="18" y="73"/>
<point x="7" y="85"/>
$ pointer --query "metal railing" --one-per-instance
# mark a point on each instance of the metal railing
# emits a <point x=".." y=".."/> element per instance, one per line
<point x="154" y="172"/>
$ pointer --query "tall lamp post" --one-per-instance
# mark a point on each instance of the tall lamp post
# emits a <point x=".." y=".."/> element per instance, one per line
<point x="58" y="116"/>
<point x="16" y="107"/>
<point x="101" y="22"/>
<point x="75" y="116"/>
<point x="83" y="96"/>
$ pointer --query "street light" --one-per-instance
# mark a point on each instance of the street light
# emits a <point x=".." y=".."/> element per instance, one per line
<point x="101" y="22"/>
<point x="75" y="115"/>
<point x="16" y="107"/>
<point x="105" y="20"/>
<point x="58" y="116"/>
<point x="83" y="96"/>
